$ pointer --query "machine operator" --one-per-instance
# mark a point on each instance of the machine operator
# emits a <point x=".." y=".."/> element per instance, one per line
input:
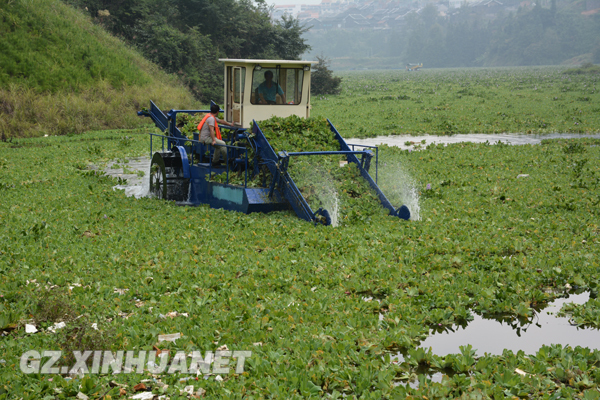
<point x="268" y="90"/>
<point x="210" y="134"/>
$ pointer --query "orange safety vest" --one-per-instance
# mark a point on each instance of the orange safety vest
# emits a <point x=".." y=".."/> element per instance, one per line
<point x="217" y="130"/>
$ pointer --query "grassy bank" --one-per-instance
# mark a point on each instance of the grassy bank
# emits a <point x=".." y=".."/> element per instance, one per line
<point x="61" y="74"/>
<point x="294" y="294"/>
<point x="26" y="113"/>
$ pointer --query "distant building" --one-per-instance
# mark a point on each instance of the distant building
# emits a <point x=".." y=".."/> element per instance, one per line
<point x="591" y="7"/>
<point x="280" y="11"/>
<point x="488" y="9"/>
<point x="457" y="3"/>
<point x="527" y="4"/>
<point x="355" y="21"/>
<point x="391" y="14"/>
<point x="312" y="23"/>
<point x="487" y="3"/>
<point x="471" y="3"/>
<point x="307" y="15"/>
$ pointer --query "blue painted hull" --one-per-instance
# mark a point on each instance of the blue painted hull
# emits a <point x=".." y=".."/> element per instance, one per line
<point x="231" y="197"/>
<point x="283" y="194"/>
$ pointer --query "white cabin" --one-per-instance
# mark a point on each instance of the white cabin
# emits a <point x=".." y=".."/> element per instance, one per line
<point x="249" y="96"/>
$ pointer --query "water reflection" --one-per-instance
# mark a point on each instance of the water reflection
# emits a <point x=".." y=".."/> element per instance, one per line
<point x="492" y="336"/>
<point x="424" y="140"/>
<point x="414" y="383"/>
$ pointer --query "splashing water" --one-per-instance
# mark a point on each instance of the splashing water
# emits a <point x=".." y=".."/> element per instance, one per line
<point x="321" y="191"/>
<point x="410" y="198"/>
<point x="329" y="198"/>
<point x="399" y="187"/>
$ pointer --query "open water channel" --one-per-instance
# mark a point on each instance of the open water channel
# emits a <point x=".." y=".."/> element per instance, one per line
<point x="510" y="138"/>
<point x="135" y="172"/>
<point x="492" y="336"/>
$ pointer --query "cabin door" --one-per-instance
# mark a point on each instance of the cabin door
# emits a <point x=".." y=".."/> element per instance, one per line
<point x="237" y="88"/>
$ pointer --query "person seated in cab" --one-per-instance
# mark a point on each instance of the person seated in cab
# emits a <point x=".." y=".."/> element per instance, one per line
<point x="210" y="134"/>
<point x="268" y="90"/>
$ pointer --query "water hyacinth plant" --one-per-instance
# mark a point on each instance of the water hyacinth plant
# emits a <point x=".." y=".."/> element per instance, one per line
<point x="292" y="293"/>
<point x="469" y="100"/>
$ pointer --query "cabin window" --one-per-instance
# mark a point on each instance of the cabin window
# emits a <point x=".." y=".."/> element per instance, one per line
<point x="237" y="80"/>
<point x="277" y="86"/>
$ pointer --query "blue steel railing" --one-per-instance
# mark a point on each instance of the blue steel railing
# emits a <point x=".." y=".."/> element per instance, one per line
<point x="365" y="174"/>
<point x="288" y="188"/>
<point x="376" y="156"/>
<point x="197" y="144"/>
<point x="162" y="145"/>
<point x="363" y="153"/>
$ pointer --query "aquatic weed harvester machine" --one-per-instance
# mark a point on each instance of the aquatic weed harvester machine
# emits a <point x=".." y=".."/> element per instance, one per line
<point x="181" y="170"/>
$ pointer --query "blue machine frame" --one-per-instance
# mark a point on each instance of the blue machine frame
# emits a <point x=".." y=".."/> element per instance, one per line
<point x="185" y="159"/>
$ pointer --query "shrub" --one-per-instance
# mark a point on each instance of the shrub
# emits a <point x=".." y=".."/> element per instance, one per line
<point x="322" y="79"/>
<point x="585" y="68"/>
<point x="596" y="54"/>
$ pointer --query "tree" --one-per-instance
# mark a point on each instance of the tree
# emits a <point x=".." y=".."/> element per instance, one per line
<point x="432" y="54"/>
<point x="288" y="41"/>
<point x="596" y="54"/>
<point x="322" y="79"/>
<point x="187" y="37"/>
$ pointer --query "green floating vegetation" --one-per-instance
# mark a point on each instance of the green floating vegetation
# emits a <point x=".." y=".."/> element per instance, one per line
<point x="460" y="101"/>
<point x="299" y="134"/>
<point x="584" y="315"/>
<point x="490" y="240"/>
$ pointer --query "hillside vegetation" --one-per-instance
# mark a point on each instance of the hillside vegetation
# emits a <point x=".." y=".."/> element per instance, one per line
<point x="62" y="74"/>
<point x="187" y="38"/>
